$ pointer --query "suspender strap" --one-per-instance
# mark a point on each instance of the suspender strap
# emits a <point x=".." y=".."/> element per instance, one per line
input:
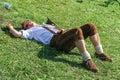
<point x="49" y="30"/>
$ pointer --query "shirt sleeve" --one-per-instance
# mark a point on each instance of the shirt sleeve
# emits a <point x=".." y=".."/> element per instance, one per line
<point x="25" y="34"/>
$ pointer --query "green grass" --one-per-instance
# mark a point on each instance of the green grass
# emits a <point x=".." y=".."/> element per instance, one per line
<point x="22" y="59"/>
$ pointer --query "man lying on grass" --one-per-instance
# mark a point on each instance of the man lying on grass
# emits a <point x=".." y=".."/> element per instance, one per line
<point x="64" y="40"/>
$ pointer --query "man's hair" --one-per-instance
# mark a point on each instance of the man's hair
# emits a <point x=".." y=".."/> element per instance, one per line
<point x="23" y="23"/>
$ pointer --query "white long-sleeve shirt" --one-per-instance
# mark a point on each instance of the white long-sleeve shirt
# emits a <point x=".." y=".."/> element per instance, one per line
<point x="39" y="33"/>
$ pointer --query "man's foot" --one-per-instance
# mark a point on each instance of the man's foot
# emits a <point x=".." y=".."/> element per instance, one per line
<point x="89" y="64"/>
<point x="103" y="56"/>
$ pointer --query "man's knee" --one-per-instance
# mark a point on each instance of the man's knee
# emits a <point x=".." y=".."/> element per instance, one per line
<point x="92" y="27"/>
<point x="89" y="29"/>
<point x="78" y="33"/>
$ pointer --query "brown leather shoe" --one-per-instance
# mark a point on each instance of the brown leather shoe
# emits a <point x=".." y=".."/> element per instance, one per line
<point x="103" y="56"/>
<point x="90" y="65"/>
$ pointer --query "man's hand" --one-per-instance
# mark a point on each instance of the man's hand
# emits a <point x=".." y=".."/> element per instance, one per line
<point x="14" y="32"/>
<point x="9" y="26"/>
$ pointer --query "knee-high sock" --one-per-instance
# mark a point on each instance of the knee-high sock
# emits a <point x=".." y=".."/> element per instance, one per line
<point x="99" y="49"/>
<point x="86" y="56"/>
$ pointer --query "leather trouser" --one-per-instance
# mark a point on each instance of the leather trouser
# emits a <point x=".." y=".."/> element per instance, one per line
<point x="66" y="40"/>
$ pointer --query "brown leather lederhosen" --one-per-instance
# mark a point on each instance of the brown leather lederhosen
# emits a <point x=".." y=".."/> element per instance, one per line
<point x="65" y="40"/>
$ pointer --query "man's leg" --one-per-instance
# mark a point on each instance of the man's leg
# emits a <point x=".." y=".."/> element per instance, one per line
<point x="98" y="47"/>
<point x="87" y="61"/>
<point x="74" y="38"/>
<point x="91" y="31"/>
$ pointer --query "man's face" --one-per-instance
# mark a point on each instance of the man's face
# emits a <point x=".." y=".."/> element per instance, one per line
<point x="29" y="24"/>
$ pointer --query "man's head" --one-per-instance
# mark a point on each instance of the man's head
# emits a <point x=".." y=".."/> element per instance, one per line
<point x="28" y="24"/>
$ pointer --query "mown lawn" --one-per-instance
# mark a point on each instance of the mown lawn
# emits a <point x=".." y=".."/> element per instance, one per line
<point x="22" y="59"/>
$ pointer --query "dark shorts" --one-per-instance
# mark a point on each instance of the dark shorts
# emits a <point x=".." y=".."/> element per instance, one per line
<point x="66" y="40"/>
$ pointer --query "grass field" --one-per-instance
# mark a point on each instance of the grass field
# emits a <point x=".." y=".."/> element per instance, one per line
<point x="22" y="59"/>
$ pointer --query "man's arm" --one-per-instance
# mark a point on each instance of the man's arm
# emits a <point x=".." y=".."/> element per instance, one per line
<point x="14" y="32"/>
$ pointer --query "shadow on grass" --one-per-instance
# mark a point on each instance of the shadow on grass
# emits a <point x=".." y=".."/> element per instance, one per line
<point x="79" y="1"/>
<point x="109" y="2"/>
<point x="105" y="4"/>
<point x="51" y="53"/>
<point x="6" y="31"/>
